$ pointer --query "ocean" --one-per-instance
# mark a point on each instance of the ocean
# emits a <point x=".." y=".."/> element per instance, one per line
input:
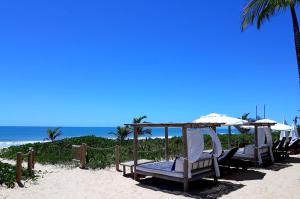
<point x="16" y="135"/>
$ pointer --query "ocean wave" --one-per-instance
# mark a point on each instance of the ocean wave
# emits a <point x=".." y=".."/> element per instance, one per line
<point x="4" y="144"/>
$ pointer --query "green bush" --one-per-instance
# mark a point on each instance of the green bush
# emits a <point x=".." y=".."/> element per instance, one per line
<point x="60" y="152"/>
<point x="8" y="175"/>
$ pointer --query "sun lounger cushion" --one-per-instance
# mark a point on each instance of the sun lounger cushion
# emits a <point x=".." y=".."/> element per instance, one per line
<point x="163" y="168"/>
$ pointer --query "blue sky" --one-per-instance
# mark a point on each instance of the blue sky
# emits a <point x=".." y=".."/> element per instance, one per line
<point x="101" y="63"/>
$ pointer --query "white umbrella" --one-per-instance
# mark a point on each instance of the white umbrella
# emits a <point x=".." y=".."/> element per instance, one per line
<point x="220" y="118"/>
<point x="281" y="127"/>
<point x="266" y="121"/>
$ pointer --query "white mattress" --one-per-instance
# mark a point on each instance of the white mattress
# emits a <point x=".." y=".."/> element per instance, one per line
<point x="163" y="168"/>
<point x="243" y="155"/>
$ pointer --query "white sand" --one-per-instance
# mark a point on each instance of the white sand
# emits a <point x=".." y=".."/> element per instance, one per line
<point x="63" y="183"/>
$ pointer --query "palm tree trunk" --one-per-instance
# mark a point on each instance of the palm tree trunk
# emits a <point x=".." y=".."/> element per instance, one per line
<point x="296" y="37"/>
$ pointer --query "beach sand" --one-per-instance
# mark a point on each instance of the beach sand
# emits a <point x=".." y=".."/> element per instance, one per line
<point x="281" y="180"/>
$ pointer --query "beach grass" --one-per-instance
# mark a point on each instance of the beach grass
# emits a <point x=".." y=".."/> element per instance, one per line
<point x="100" y="151"/>
<point x="8" y="175"/>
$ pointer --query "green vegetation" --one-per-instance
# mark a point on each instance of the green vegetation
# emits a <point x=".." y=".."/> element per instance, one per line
<point x="122" y="133"/>
<point x="262" y="10"/>
<point x="8" y="175"/>
<point x="53" y="134"/>
<point x="141" y="130"/>
<point x="100" y="151"/>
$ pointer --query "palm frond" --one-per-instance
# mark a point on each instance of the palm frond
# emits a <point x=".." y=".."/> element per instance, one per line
<point x="261" y="10"/>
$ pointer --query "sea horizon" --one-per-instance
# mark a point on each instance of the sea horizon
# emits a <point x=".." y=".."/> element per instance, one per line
<point x="18" y="135"/>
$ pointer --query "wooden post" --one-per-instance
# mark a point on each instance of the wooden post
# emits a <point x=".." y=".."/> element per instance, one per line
<point x="117" y="157"/>
<point x="256" y="144"/>
<point x="135" y="153"/>
<point x="229" y="137"/>
<point x="185" y="156"/>
<point x="19" y="167"/>
<point x="83" y="156"/>
<point x="167" y="143"/>
<point x="33" y="158"/>
<point x="212" y="143"/>
<point x="29" y="167"/>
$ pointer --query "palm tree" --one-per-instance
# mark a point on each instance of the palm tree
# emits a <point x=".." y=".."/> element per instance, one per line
<point x="122" y="133"/>
<point x="53" y="133"/>
<point x="245" y="116"/>
<point x="261" y="10"/>
<point x="141" y="130"/>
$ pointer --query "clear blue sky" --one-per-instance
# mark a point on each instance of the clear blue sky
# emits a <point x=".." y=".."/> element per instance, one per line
<point x="100" y="63"/>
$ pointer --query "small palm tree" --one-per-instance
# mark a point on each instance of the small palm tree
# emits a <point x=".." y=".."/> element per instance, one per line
<point x="245" y="116"/>
<point x="261" y="10"/>
<point x="141" y="130"/>
<point x="121" y="133"/>
<point x="53" y="134"/>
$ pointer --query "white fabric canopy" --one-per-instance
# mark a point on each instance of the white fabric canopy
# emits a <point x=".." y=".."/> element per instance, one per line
<point x="195" y="142"/>
<point x="283" y="134"/>
<point x="294" y="134"/>
<point x="220" y="118"/>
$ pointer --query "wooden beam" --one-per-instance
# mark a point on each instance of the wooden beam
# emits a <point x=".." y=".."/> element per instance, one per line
<point x="229" y="137"/>
<point x="185" y="156"/>
<point x="117" y="157"/>
<point x="179" y="125"/>
<point x="135" y="152"/>
<point x="167" y="143"/>
<point x="256" y="144"/>
<point x="19" y="167"/>
<point x="29" y="162"/>
<point x="83" y="149"/>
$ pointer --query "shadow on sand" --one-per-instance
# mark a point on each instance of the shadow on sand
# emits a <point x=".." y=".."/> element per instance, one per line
<point x="238" y="175"/>
<point x="282" y="164"/>
<point x="199" y="189"/>
<point x="291" y="160"/>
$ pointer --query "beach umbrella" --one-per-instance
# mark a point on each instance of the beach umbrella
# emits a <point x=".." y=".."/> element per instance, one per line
<point x="221" y="118"/>
<point x="266" y="121"/>
<point x="281" y="127"/>
<point x="263" y="121"/>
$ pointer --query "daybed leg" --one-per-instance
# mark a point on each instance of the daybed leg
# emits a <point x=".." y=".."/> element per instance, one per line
<point x="186" y="186"/>
<point x="131" y="169"/>
<point x="215" y="179"/>
<point x="124" y="170"/>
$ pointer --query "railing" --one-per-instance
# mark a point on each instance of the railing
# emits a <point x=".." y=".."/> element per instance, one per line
<point x="30" y="166"/>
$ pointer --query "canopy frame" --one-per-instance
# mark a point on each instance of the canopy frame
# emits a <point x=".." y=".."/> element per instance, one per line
<point x="256" y="125"/>
<point x="184" y="127"/>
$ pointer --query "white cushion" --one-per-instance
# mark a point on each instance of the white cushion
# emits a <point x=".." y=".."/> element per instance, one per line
<point x="249" y="149"/>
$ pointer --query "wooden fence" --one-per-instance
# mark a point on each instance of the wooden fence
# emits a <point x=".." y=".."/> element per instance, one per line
<point x="30" y="166"/>
<point x="79" y="153"/>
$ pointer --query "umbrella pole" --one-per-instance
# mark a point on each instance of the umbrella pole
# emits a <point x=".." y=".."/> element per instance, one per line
<point x="229" y="137"/>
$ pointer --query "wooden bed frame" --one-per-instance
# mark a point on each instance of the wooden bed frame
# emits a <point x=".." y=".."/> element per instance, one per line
<point x="265" y="156"/>
<point x="199" y="171"/>
<point x="184" y="127"/>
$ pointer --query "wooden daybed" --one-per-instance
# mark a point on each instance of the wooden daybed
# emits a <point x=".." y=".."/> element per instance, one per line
<point x="264" y="150"/>
<point x="204" y="167"/>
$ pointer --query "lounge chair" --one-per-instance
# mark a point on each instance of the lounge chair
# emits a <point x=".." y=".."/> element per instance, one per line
<point x="226" y="160"/>
<point x="200" y="164"/>
<point x="265" y="153"/>
<point x="280" y="151"/>
<point x="294" y="147"/>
